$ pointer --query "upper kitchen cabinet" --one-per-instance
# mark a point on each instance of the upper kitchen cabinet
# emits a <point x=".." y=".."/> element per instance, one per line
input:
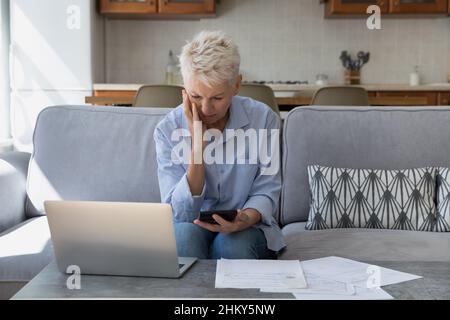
<point x="337" y="8"/>
<point x="418" y="6"/>
<point x="131" y="7"/>
<point x="154" y="9"/>
<point x="353" y="7"/>
<point x="187" y="6"/>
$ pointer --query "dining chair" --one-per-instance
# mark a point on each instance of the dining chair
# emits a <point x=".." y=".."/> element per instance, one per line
<point x="340" y="96"/>
<point x="162" y="96"/>
<point x="261" y="93"/>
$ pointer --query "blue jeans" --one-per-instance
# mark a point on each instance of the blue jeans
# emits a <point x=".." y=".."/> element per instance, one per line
<point x="195" y="241"/>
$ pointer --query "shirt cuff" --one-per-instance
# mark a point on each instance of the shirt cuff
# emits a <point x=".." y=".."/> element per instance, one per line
<point x="186" y="206"/>
<point x="264" y="207"/>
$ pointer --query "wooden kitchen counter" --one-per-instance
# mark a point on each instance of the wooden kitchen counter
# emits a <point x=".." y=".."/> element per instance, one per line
<point x="289" y="96"/>
<point x="298" y="87"/>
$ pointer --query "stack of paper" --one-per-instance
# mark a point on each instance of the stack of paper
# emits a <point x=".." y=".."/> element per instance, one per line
<point x="335" y="278"/>
<point x="330" y="278"/>
<point x="256" y="274"/>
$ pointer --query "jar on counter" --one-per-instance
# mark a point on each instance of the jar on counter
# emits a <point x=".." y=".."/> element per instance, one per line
<point x="322" y="80"/>
<point x="414" y="78"/>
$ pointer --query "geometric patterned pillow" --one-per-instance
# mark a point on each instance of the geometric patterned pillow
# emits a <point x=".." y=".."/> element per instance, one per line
<point x="443" y="200"/>
<point x="377" y="199"/>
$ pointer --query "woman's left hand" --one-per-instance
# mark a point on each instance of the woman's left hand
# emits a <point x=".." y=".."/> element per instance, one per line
<point x="244" y="219"/>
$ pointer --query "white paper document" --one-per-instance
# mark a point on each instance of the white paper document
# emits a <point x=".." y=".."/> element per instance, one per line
<point x="359" y="274"/>
<point x="317" y="285"/>
<point x="360" y="294"/>
<point x="335" y="278"/>
<point x="255" y="274"/>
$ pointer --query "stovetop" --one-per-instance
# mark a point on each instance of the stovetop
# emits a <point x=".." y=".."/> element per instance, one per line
<point x="277" y="82"/>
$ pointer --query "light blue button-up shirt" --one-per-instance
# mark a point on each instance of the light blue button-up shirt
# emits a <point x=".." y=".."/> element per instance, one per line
<point x="227" y="185"/>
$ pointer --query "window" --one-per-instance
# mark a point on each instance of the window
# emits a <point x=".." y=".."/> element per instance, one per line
<point x="5" y="133"/>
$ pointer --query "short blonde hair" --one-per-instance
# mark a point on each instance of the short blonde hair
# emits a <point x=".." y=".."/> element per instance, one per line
<point x="212" y="56"/>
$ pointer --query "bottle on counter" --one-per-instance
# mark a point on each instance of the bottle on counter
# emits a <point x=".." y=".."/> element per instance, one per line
<point x="172" y="70"/>
<point x="414" y="78"/>
<point x="321" y="79"/>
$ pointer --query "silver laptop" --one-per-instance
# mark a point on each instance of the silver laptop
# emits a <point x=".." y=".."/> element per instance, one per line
<point x="115" y="238"/>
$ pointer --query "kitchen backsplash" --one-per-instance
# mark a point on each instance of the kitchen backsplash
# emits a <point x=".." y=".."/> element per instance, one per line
<point x="285" y="40"/>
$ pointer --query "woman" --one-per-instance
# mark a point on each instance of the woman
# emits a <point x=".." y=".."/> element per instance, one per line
<point x="210" y="70"/>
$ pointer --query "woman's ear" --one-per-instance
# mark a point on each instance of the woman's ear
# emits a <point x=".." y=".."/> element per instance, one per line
<point x="237" y="86"/>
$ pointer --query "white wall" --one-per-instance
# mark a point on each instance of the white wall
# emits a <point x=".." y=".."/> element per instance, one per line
<point x="4" y="73"/>
<point x="285" y="40"/>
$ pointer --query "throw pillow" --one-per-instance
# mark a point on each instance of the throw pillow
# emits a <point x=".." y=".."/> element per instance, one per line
<point x="443" y="200"/>
<point x="366" y="198"/>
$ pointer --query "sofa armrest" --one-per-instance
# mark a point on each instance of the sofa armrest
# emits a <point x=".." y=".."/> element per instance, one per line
<point x="13" y="177"/>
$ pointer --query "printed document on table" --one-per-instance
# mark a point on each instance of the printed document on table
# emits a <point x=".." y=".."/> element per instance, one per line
<point x="360" y="294"/>
<point x="255" y="274"/>
<point x="318" y="285"/>
<point x="324" y="289"/>
<point x="359" y="274"/>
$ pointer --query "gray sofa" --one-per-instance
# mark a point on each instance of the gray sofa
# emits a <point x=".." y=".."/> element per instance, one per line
<point x="360" y="137"/>
<point x="107" y="153"/>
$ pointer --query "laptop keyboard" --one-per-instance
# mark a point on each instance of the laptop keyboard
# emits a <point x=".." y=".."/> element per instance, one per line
<point x="180" y="265"/>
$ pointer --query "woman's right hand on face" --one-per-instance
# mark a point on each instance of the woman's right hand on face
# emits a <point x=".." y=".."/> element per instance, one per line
<point x="191" y="113"/>
<point x="189" y="110"/>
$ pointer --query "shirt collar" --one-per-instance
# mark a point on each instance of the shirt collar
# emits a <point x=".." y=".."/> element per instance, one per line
<point x="238" y="115"/>
<point x="238" y="119"/>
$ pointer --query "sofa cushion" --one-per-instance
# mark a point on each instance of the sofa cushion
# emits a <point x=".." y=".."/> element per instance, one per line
<point x="357" y="137"/>
<point x="293" y="228"/>
<point x="376" y="199"/>
<point x="25" y="250"/>
<point x="365" y="244"/>
<point x="94" y="153"/>
<point x="13" y="175"/>
<point x="443" y="200"/>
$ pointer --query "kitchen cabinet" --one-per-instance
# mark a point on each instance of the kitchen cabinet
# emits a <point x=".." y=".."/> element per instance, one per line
<point x="112" y="97"/>
<point x="157" y="8"/>
<point x="187" y="6"/>
<point x="414" y="97"/>
<point x="418" y="6"/>
<point x="444" y="98"/>
<point x="353" y="7"/>
<point x="336" y="8"/>
<point x="136" y="7"/>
